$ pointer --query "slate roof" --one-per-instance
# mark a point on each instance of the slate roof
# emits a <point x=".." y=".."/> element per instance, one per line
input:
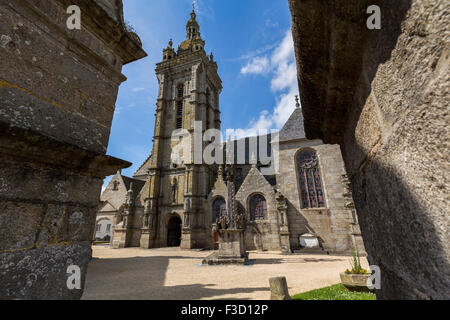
<point x="137" y="184"/>
<point x="293" y="129"/>
<point x="143" y="170"/>
<point x="107" y="207"/>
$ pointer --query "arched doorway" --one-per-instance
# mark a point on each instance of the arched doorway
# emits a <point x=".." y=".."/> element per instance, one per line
<point x="174" y="232"/>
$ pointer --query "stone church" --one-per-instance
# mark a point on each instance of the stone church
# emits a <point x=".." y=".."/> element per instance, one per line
<point x="305" y="205"/>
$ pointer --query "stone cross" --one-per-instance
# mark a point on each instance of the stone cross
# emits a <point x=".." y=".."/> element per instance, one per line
<point x="231" y="188"/>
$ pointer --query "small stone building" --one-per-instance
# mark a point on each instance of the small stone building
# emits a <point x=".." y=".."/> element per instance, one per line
<point x="176" y="203"/>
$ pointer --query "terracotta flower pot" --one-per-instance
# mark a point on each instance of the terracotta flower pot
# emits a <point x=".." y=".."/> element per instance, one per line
<point x="357" y="282"/>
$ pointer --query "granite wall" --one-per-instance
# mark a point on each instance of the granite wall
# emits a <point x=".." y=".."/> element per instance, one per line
<point x="383" y="96"/>
<point x="333" y="222"/>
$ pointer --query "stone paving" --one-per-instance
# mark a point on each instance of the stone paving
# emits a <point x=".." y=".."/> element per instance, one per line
<point x="175" y="274"/>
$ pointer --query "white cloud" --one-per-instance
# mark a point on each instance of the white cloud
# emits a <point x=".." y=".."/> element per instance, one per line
<point x="285" y="106"/>
<point x="271" y="24"/>
<point x="118" y="109"/>
<point x="258" y="65"/>
<point x="282" y="65"/>
<point x="256" y="127"/>
<point x="284" y="60"/>
<point x="138" y="89"/>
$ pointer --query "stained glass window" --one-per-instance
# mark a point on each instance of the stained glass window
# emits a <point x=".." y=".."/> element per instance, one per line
<point x="219" y="208"/>
<point x="258" y="207"/>
<point x="311" y="192"/>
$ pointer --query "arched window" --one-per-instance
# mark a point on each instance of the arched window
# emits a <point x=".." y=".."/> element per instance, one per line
<point x="180" y="95"/>
<point x="310" y="180"/>
<point x="258" y="207"/>
<point x="219" y="208"/>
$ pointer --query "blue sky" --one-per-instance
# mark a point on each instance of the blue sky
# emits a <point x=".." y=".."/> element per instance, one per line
<point x="252" y="44"/>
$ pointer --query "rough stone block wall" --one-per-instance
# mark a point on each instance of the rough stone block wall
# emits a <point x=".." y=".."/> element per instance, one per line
<point x="136" y="226"/>
<point x="332" y="166"/>
<point x="332" y="223"/>
<point x="57" y="95"/>
<point x="389" y="111"/>
<point x="399" y="151"/>
<point x="45" y="73"/>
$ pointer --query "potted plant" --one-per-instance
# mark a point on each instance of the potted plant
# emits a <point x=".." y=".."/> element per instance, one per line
<point x="357" y="277"/>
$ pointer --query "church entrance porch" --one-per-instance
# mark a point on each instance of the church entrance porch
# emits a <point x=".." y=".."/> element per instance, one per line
<point x="174" y="232"/>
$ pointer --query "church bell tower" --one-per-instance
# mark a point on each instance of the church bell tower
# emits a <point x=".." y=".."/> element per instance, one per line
<point x="176" y="190"/>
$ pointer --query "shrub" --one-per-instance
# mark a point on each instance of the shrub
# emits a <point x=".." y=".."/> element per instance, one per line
<point x="356" y="264"/>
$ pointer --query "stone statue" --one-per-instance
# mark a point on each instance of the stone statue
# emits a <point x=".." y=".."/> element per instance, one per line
<point x="129" y="198"/>
<point x="229" y="173"/>
<point x="187" y="204"/>
<point x="187" y="220"/>
<point x="241" y="220"/>
<point x="174" y="188"/>
<point x="282" y="208"/>
<point x="222" y="222"/>
<point x="145" y="221"/>
<point x="215" y="228"/>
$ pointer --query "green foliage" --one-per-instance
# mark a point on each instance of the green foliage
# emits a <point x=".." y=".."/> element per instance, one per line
<point x="356" y="264"/>
<point x="336" y="292"/>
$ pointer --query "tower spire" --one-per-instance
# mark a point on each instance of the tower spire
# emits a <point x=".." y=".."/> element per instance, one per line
<point x="192" y="27"/>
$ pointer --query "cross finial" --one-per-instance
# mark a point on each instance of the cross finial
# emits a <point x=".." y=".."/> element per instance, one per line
<point x="194" y="3"/>
<point x="297" y="104"/>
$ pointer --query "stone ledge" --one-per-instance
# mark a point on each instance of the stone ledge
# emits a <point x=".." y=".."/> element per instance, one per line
<point x="31" y="146"/>
<point x="120" y="40"/>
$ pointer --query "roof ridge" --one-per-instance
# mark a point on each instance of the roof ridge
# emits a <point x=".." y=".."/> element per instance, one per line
<point x="143" y="164"/>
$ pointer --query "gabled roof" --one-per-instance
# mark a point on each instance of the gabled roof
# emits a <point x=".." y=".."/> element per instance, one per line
<point x="107" y="207"/>
<point x="293" y="129"/>
<point x="117" y="196"/>
<point x="271" y="179"/>
<point x="143" y="170"/>
<point x="253" y="178"/>
<point x="137" y="184"/>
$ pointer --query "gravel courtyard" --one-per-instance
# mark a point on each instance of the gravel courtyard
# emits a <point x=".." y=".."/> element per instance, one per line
<point x="172" y="274"/>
